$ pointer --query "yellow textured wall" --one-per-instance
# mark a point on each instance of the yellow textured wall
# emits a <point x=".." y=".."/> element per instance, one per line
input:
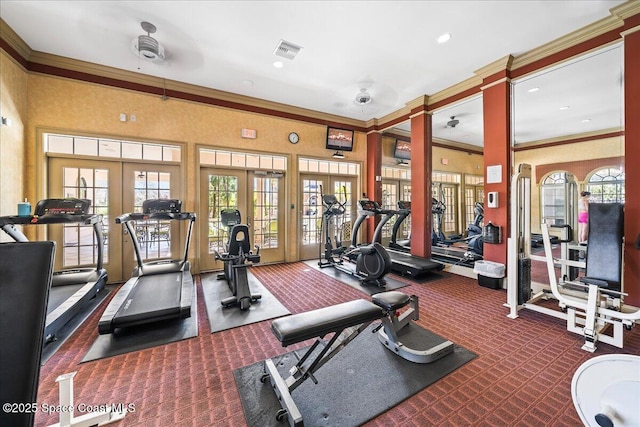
<point x="13" y="105"/>
<point x="588" y="150"/>
<point x="75" y="107"/>
<point x="80" y="107"/>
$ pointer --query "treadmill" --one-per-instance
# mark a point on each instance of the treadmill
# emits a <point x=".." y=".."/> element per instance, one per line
<point x="403" y="263"/>
<point x="73" y="289"/>
<point x="403" y="212"/>
<point x="157" y="290"/>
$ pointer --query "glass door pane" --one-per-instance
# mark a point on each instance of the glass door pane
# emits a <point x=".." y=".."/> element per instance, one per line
<point x="268" y="217"/>
<point x="389" y="201"/>
<point x="343" y="187"/>
<point x="157" y="239"/>
<point x="100" y="183"/>
<point x="219" y="189"/>
<point x="311" y="216"/>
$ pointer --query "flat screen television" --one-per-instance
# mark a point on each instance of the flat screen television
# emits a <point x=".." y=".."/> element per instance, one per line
<point x="339" y="139"/>
<point x="402" y="150"/>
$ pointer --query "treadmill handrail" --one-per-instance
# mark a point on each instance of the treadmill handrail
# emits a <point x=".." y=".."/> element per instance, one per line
<point x="137" y="216"/>
<point x="86" y="219"/>
<point x="127" y="218"/>
<point x="402" y="215"/>
<point x="7" y="223"/>
<point x="388" y="214"/>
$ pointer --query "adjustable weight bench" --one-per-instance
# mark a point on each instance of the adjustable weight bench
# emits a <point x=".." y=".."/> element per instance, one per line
<point x="346" y="321"/>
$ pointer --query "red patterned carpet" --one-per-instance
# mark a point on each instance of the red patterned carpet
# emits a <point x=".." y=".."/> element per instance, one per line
<point x="522" y="375"/>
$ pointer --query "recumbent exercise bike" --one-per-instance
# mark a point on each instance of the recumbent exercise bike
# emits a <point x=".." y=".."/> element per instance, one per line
<point x="237" y="260"/>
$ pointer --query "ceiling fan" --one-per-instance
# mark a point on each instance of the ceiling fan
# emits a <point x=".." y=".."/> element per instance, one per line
<point x="146" y="47"/>
<point x="453" y="122"/>
<point x="363" y="98"/>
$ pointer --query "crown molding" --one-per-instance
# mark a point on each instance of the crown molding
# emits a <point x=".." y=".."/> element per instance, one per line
<point x="578" y="137"/>
<point x="456" y="89"/>
<point x="404" y="112"/>
<point x="14" y="40"/>
<point x="630" y="31"/>
<point x="421" y="101"/>
<point x="459" y="146"/>
<point x="574" y="38"/>
<point x="169" y="86"/>
<point x="626" y="10"/>
<point x="495" y="67"/>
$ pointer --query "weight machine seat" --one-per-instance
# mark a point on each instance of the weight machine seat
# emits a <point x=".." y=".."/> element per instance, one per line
<point x="317" y="323"/>
<point x="391" y="300"/>
<point x="604" y="247"/>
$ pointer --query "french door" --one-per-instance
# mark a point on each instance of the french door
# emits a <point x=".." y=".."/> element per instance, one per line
<point x="259" y="196"/>
<point x="157" y="239"/>
<point x="100" y="182"/>
<point x="394" y="191"/>
<point x="313" y="229"/>
<point x="114" y="188"/>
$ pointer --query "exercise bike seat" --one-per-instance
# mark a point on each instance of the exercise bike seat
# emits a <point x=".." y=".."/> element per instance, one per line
<point x="239" y="240"/>
<point x="391" y="300"/>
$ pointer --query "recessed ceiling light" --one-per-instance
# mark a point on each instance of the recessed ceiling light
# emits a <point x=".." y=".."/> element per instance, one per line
<point x="247" y="82"/>
<point x="278" y="64"/>
<point x="444" y="38"/>
<point x="565" y="107"/>
<point x="586" y="120"/>
<point x="533" y="89"/>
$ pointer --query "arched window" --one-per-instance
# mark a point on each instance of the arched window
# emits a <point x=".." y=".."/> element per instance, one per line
<point x="607" y="185"/>
<point x="553" y="198"/>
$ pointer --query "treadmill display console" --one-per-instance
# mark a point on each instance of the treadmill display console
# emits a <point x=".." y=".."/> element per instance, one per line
<point x="62" y="207"/>
<point x="162" y="206"/>
<point x="369" y="205"/>
<point x="404" y="205"/>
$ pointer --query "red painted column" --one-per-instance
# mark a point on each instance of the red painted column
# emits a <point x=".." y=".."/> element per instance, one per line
<point x="421" y="168"/>
<point x="497" y="152"/>
<point x="374" y="170"/>
<point x="632" y="160"/>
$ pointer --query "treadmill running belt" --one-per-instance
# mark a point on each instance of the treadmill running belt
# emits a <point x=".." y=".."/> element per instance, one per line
<point x="405" y="263"/>
<point x="152" y="297"/>
<point x="60" y="294"/>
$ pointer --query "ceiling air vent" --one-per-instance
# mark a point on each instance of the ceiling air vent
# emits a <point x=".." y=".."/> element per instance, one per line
<point x="287" y="49"/>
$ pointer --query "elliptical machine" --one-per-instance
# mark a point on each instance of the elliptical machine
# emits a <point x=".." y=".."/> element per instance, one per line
<point x="475" y="241"/>
<point x="237" y="260"/>
<point x="372" y="262"/>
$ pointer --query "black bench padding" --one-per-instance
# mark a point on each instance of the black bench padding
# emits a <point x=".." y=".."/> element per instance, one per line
<point x="25" y="279"/>
<point x="604" y="247"/>
<point x="317" y="323"/>
<point x="391" y="300"/>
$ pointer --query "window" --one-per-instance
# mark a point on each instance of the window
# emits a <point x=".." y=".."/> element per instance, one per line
<point x="552" y="197"/>
<point x="607" y="185"/>
<point x="99" y="147"/>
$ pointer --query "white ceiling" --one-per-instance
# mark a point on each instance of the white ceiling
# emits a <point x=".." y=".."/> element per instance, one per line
<point x="387" y="47"/>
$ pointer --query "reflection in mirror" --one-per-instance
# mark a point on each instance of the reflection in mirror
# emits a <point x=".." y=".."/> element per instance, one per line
<point x="576" y="110"/>
<point x="460" y="123"/>
<point x="457" y="168"/>
<point x="579" y="97"/>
